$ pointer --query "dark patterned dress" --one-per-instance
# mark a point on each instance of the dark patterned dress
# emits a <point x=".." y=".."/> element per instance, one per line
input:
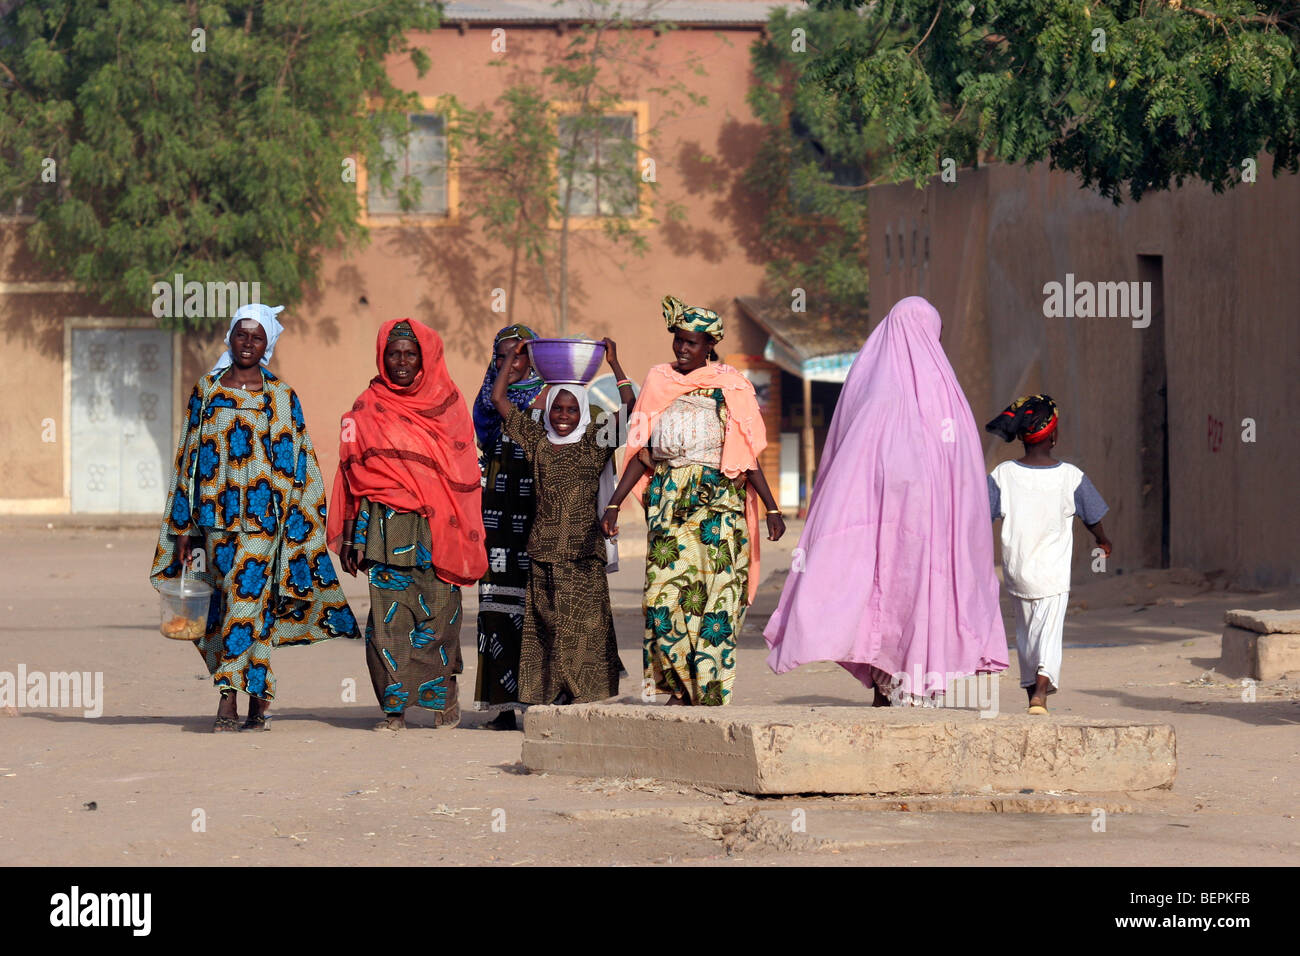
<point x="247" y="481"/>
<point x="568" y="645"/>
<point x="508" y="505"/>
<point x="413" y="629"/>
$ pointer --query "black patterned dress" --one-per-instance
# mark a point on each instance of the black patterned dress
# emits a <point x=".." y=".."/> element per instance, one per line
<point x="568" y="648"/>
<point x="508" y="506"/>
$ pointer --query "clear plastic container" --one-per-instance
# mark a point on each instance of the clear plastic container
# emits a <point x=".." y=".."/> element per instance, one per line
<point x="183" y="605"/>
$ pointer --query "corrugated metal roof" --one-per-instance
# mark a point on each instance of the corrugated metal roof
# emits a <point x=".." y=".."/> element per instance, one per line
<point x="808" y="337"/>
<point x="686" y="12"/>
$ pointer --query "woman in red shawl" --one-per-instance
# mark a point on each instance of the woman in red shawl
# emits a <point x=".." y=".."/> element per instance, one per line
<point x="406" y="508"/>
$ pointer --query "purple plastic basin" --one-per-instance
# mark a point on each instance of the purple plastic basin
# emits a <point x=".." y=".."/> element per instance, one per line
<point x="566" y="361"/>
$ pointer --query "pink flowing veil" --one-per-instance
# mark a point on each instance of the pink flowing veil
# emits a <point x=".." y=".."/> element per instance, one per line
<point x="895" y="563"/>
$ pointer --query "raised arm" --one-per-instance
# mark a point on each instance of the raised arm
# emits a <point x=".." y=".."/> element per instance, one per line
<point x="626" y="396"/>
<point x="499" y="387"/>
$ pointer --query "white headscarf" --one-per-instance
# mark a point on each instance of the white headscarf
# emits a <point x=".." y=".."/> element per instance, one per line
<point x="584" y="418"/>
<point x="263" y="315"/>
<point x="608" y="479"/>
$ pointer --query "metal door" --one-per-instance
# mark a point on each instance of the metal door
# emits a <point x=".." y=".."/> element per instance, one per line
<point x="121" y="419"/>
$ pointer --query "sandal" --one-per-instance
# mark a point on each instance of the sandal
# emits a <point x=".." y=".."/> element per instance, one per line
<point x="1037" y="706"/>
<point x="503" y="721"/>
<point x="391" y="722"/>
<point x="256" y="722"/>
<point x="225" y="725"/>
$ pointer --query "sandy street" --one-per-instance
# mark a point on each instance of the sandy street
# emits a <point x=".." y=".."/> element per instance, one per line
<point x="321" y="788"/>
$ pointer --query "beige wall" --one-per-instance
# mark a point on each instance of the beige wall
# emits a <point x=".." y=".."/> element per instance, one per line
<point x="32" y="307"/>
<point x="445" y="275"/>
<point x="1232" y="343"/>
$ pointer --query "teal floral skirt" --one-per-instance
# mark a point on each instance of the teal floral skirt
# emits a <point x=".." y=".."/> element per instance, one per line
<point x="696" y="582"/>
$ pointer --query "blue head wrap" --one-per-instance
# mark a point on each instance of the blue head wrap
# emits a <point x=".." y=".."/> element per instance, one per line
<point x="487" y="423"/>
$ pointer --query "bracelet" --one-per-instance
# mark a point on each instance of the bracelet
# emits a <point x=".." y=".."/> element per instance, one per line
<point x="624" y="381"/>
<point x="774" y="511"/>
<point x="611" y="507"/>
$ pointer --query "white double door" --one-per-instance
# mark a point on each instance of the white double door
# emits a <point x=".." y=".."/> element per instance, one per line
<point x="121" y="420"/>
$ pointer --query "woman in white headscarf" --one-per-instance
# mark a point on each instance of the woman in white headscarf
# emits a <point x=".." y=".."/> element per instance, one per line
<point x="568" y="652"/>
<point x="246" y="490"/>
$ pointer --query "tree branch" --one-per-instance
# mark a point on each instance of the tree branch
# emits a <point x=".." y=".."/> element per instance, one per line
<point x="926" y="36"/>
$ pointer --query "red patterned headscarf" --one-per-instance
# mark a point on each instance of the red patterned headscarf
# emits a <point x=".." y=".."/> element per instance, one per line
<point x="412" y="448"/>
<point x="1031" y="418"/>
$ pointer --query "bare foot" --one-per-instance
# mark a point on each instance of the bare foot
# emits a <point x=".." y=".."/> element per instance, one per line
<point x="678" y="700"/>
<point x="1038" y="694"/>
<point x="392" y="722"/>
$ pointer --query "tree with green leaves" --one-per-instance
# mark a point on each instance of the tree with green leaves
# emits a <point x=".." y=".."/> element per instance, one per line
<point x="211" y="139"/>
<point x="1130" y="95"/>
<point x="813" y="165"/>
<point x="557" y="145"/>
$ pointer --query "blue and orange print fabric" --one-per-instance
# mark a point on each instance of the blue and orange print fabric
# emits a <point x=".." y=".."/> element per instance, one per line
<point x="246" y="480"/>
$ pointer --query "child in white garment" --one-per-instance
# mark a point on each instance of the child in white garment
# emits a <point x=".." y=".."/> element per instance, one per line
<point x="1037" y="497"/>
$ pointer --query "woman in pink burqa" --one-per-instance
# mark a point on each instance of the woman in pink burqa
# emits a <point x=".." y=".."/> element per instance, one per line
<point x="893" y="578"/>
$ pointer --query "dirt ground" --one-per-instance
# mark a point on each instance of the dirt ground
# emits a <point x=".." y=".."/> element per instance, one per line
<point x="147" y="783"/>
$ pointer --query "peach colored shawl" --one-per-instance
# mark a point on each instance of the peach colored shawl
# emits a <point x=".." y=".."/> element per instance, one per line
<point x="745" y="436"/>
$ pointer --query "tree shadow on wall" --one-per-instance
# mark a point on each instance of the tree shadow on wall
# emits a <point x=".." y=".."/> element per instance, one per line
<point x="345" y="280"/>
<point x="718" y="180"/>
<point x="457" y="299"/>
<point x="35" y="321"/>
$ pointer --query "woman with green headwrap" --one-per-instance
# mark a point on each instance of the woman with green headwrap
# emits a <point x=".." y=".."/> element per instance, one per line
<point x="692" y="458"/>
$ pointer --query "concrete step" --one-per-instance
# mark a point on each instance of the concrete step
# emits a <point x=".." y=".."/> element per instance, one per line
<point x="833" y="750"/>
<point x="1261" y="656"/>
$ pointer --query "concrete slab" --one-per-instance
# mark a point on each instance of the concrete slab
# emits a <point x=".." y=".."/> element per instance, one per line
<point x="1262" y="656"/>
<point x="835" y="750"/>
<point x="1267" y="621"/>
<point x="1277" y="655"/>
<point x="1237" y="652"/>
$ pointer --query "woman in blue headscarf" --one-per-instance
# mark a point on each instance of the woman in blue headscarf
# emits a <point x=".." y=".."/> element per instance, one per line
<point x="508" y="505"/>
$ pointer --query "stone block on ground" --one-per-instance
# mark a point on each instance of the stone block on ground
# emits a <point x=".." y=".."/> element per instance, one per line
<point x="1258" y="655"/>
<point x="787" y="749"/>
<point x="1277" y="655"/>
<point x="1266" y="621"/>
<point x="1237" y="652"/>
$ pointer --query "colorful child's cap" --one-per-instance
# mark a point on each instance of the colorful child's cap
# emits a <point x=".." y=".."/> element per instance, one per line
<point x="1030" y="418"/>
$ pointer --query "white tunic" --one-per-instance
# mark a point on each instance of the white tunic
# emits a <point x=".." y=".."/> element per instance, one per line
<point x="1038" y="505"/>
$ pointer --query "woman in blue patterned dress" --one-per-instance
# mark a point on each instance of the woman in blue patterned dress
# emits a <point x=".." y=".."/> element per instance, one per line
<point x="247" y="491"/>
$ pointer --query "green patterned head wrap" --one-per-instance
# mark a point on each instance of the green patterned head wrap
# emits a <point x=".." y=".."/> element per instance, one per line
<point x="679" y="315"/>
